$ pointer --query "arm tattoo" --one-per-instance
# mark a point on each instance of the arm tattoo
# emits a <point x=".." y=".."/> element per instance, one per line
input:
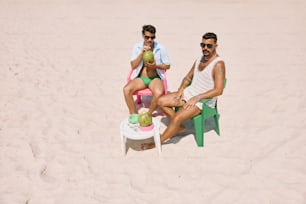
<point x="221" y="69"/>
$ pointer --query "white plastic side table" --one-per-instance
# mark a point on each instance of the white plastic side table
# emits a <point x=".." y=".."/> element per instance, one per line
<point x="133" y="132"/>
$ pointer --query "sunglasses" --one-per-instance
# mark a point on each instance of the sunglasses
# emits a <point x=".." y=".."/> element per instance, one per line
<point x="209" y="46"/>
<point x="148" y="37"/>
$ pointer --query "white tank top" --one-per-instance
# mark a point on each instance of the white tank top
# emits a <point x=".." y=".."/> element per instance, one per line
<point x="202" y="82"/>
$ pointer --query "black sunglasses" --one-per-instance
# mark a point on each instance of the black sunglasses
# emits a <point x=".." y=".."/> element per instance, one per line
<point x="148" y="37"/>
<point x="209" y="46"/>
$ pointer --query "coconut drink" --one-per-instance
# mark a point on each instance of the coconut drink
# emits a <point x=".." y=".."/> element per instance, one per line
<point x="148" y="56"/>
<point x="145" y="121"/>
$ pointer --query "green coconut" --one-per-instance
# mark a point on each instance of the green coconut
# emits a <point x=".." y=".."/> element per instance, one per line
<point x="148" y="56"/>
<point x="145" y="119"/>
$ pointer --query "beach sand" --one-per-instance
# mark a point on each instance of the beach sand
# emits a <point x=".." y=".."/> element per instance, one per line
<point x="62" y="68"/>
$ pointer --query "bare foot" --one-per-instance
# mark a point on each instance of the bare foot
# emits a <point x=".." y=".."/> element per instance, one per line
<point x="145" y="146"/>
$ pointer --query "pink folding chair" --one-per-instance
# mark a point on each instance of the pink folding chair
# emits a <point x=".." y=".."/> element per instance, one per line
<point x="146" y="91"/>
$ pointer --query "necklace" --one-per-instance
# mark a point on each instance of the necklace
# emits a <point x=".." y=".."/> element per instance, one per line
<point x="203" y="59"/>
<point x="204" y="62"/>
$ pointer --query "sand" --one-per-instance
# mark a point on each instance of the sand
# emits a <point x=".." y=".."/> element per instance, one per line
<point x="62" y="68"/>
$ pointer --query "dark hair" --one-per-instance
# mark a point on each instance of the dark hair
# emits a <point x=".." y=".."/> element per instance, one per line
<point x="210" y="36"/>
<point x="148" y="28"/>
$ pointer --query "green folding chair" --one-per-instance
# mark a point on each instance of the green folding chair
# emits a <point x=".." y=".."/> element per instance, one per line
<point x="199" y="121"/>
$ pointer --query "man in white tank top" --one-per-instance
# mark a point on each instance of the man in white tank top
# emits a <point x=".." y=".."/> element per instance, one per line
<point x="204" y="80"/>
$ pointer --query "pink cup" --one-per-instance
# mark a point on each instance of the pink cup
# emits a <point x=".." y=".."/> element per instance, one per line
<point x="147" y="128"/>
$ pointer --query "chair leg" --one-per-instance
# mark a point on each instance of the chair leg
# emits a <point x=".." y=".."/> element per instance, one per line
<point x="199" y="130"/>
<point x="216" y="117"/>
<point x="138" y="99"/>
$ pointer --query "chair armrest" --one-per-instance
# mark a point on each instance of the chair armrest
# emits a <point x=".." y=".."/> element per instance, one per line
<point x="204" y="101"/>
<point x="165" y="81"/>
<point x="129" y="75"/>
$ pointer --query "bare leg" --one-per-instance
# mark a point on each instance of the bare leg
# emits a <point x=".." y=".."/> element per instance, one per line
<point x="179" y="117"/>
<point x="157" y="89"/>
<point x="128" y="90"/>
<point x="176" y="118"/>
<point x="167" y="102"/>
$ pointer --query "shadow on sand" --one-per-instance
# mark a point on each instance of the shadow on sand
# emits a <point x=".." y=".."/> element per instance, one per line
<point x="145" y="103"/>
<point x="209" y="125"/>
